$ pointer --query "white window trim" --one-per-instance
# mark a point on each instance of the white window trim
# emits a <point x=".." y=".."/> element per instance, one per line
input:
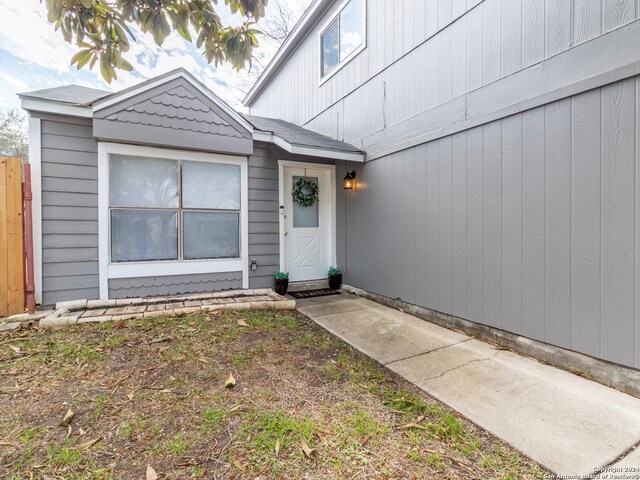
<point x="108" y="270"/>
<point x="352" y="55"/>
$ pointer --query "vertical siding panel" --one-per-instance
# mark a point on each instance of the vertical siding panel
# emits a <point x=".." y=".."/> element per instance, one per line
<point x="458" y="8"/>
<point x="512" y="36"/>
<point x="558" y="223"/>
<point x="491" y="43"/>
<point x="445" y="13"/>
<point x="618" y="12"/>
<point x="618" y="241"/>
<point x="445" y="223"/>
<point x="407" y="184"/>
<point x="459" y="196"/>
<point x="533" y="223"/>
<point x="395" y="215"/>
<point x="408" y="19"/>
<point x="558" y="26"/>
<point x="433" y="236"/>
<point x="474" y="48"/>
<point x="585" y="222"/>
<point x="431" y="53"/>
<point x="388" y="32"/>
<point x="533" y="31"/>
<point x="374" y="173"/>
<point x="512" y="223"/>
<point x="431" y="11"/>
<point x="445" y="65"/>
<point x="420" y="25"/>
<point x="459" y="56"/>
<point x="418" y="76"/>
<point x="421" y="225"/>
<point x="637" y="220"/>
<point x="492" y="224"/>
<point x="475" y="226"/>
<point x="391" y="212"/>
<point x="398" y="15"/>
<point x="587" y="21"/>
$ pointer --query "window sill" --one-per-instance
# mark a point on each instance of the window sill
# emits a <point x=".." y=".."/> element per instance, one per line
<point x="161" y="269"/>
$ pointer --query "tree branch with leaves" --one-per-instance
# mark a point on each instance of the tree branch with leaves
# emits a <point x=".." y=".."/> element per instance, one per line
<point x="101" y="29"/>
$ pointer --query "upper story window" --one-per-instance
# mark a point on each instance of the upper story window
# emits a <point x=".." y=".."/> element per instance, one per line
<point x="343" y="37"/>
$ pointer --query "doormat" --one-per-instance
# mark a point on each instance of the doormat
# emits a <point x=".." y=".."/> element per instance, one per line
<point x="323" y="292"/>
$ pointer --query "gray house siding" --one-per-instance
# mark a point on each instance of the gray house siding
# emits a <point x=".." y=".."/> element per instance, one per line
<point x="69" y="209"/>
<point x="501" y="179"/>
<point x="264" y="221"/>
<point x="422" y="55"/>
<point x="527" y="224"/>
<point x="70" y="220"/>
<point x="173" y="284"/>
<point x="263" y="217"/>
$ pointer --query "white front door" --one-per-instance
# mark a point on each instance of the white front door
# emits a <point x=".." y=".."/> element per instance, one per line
<point x="307" y="232"/>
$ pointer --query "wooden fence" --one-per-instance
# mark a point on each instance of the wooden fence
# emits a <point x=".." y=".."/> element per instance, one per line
<point x="11" y="238"/>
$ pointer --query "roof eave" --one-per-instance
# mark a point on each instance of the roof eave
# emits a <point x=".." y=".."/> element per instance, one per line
<point x="295" y="38"/>
<point x="32" y="104"/>
<point x="306" y="150"/>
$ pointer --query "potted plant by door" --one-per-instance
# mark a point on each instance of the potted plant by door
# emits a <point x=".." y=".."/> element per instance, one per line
<point x="335" y="278"/>
<point x="282" y="283"/>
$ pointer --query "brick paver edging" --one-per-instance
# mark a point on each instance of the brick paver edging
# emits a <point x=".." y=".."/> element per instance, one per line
<point x="91" y="311"/>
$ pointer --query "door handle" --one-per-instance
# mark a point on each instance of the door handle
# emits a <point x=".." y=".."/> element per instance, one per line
<point x="286" y="233"/>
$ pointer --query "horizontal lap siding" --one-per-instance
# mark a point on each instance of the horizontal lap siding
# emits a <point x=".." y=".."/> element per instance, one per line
<point x="69" y="210"/>
<point x="528" y="224"/>
<point x="263" y="217"/>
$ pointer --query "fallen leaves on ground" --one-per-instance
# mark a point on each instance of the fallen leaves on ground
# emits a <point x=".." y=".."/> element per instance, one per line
<point x="230" y="382"/>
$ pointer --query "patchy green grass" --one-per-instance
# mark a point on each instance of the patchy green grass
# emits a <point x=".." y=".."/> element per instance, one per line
<point x="151" y="392"/>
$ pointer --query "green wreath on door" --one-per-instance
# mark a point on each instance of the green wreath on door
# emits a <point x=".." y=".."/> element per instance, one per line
<point x="305" y="192"/>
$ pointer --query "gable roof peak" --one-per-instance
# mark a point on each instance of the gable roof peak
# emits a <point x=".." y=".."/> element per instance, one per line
<point x="180" y="91"/>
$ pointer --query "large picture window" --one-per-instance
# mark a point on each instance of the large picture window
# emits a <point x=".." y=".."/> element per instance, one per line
<point x="343" y="37"/>
<point x="163" y="209"/>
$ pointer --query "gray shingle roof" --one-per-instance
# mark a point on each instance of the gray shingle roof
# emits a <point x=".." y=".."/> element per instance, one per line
<point x="297" y="135"/>
<point x="71" y="94"/>
<point x="294" y="134"/>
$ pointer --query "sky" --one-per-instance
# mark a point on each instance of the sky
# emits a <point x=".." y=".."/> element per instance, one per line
<point x="33" y="56"/>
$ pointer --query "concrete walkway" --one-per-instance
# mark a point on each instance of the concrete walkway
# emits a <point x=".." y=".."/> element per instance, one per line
<point x="568" y="424"/>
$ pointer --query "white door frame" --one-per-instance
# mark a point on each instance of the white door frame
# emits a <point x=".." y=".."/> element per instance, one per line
<point x="332" y="207"/>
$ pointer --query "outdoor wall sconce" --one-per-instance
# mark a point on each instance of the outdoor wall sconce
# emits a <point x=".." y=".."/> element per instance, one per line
<point x="350" y="180"/>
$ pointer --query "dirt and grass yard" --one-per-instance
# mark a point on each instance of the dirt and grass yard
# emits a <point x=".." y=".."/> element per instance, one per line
<point x="147" y="399"/>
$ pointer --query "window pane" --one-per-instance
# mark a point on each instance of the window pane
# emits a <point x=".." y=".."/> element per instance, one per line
<point x="142" y="235"/>
<point x="210" y="185"/>
<point x="351" y="28"/>
<point x="306" y="217"/>
<point x="143" y="182"/>
<point x="330" y="48"/>
<point x="211" y="235"/>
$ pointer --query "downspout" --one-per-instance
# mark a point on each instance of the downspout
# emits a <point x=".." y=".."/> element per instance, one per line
<point x="27" y="205"/>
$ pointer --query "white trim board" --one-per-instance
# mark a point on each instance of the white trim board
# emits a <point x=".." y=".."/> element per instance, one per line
<point x="306" y="150"/>
<point x="35" y="160"/>
<point x="50" y="106"/>
<point x="184" y="267"/>
<point x="333" y="206"/>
